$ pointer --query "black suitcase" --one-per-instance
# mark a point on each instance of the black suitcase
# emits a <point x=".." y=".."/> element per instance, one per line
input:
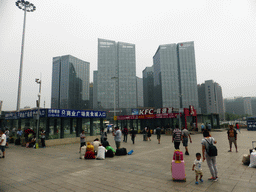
<point x="252" y="147"/>
<point x="109" y="153"/>
<point x="121" y="151"/>
<point x="17" y="141"/>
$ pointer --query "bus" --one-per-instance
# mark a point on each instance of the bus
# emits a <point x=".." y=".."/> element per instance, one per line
<point x="251" y="123"/>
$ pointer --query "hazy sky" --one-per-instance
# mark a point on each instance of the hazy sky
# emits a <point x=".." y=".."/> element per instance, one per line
<point x="224" y="32"/>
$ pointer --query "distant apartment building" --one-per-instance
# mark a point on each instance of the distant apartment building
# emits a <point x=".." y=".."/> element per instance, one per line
<point x="175" y="82"/>
<point x="148" y="87"/>
<point x="140" y="102"/>
<point x="253" y="101"/>
<point x="238" y="105"/>
<point x="70" y="83"/>
<point x="116" y="75"/>
<point x="210" y="98"/>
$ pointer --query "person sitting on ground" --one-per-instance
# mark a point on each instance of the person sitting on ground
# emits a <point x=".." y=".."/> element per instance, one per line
<point x="31" y="143"/>
<point x="105" y="143"/>
<point x="96" y="144"/>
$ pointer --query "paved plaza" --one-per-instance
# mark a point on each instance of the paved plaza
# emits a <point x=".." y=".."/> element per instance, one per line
<point x="59" y="168"/>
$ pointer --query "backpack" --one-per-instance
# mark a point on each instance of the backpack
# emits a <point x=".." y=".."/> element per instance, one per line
<point x="212" y="149"/>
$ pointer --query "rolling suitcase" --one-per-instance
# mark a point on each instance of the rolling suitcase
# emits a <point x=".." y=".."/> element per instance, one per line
<point x="178" y="166"/>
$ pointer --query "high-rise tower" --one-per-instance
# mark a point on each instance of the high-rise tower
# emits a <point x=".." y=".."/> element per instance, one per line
<point x="70" y="83"/>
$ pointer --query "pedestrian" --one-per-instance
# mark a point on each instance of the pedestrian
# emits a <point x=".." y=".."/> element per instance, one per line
<point x="194" y="126"/>
<point x="19" y="133"/>
<point x="7" y="132"/>
<point x="184" y="137"/>
<point x="133" y="135"/>
<point x="103" y="135"/>
<point x="232" y="137"/>
<point x="197" y="166"/>
<point x="211" y="160"/>
<point x="237" y="128"/>
<point x="176" y="137"/>
<point x="82" y="140"/>
<point x="145" y="134"/>
<point x="149" y="134"/>
<point x="125" y="133"/>
<point x="43" y="138"/>
<point x="117" y="137"/>
<point x="2" y="142"/>
<point x="209" y="127"/>
<point x="158" y="133"/>
<point x="202" y="127"/>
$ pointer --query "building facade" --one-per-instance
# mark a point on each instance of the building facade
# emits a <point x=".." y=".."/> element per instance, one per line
<point x="238" y="105"/>
<point x="116" y="75"/>
<point x="210" y="98"/>
<point x="95" y="91"/>
<point x="166" y="78"/>
<point x="175" y="82"/>
<point x="70" y="83"/>
<point x="148" y="86"/>
<point x="140" y="102"/>
<point x="187" y="74"/>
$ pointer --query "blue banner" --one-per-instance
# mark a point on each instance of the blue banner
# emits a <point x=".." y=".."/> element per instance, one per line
<point x="25" y="114"/>
<point x="76" y="113"/>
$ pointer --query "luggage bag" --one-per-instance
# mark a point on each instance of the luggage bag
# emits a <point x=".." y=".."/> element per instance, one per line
<point x="121" y="151"/>
<point x="178" y="166"/>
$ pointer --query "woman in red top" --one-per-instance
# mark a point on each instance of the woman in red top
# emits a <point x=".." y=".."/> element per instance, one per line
<point x="237" y="128"/>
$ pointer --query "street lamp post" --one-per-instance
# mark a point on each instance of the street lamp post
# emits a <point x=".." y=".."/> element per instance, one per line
<point x="114" y="96"/>
<point x="38" y="111"/>
<point x="26" y="7"/>
<point x="180" y="96"/>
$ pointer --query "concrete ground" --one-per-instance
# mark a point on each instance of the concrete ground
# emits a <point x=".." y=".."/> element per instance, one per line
<point x="147" y="169"/>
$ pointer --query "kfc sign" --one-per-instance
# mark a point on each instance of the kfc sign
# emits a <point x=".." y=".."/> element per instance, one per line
<point x="146" y="112"/>
<point x="157" y="111"/>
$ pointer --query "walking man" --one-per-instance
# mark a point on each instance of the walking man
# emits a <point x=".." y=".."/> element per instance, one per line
<point x="125" y="132"/>
<point x="117" y="134"/>
<point x="2" y="142"/>
<point x="133" y="135"/>
<point x="43" y="138"/>
<point x="184" y="137"/>
<point x="176" y="137"/>
<point x="232" y="137"/>
<point x="158" y="133"/>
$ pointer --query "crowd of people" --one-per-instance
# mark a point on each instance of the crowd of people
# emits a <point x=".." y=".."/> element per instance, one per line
<point x="14" y="136"/>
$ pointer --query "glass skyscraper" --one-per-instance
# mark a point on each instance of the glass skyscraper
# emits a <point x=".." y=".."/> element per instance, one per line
<point x="148" y="86"/>
<point x="187" y="74"/>
<point x="70" y="83"/>
<point x="175" y="82"/>
<point x="116" y="60"/>
<point x="166" y="81"/>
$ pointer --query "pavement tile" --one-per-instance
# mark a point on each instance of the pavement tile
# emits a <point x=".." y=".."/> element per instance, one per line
<point x="59" y="168"/>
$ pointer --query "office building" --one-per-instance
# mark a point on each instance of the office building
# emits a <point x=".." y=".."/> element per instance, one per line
<point x="91" y="96"/>
<point x="140" y="102"/>
<point x="148" y="87"/>
<point x="175" y="82"/>
<point x="187" y="74"/>
<point x="116" y="75"/>
<point x="70" y="83"/>
<point x="210" y="98"/>
<point x="95" y="91"/>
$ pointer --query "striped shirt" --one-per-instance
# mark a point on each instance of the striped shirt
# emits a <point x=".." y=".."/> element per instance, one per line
<point x="177" y="135"/>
